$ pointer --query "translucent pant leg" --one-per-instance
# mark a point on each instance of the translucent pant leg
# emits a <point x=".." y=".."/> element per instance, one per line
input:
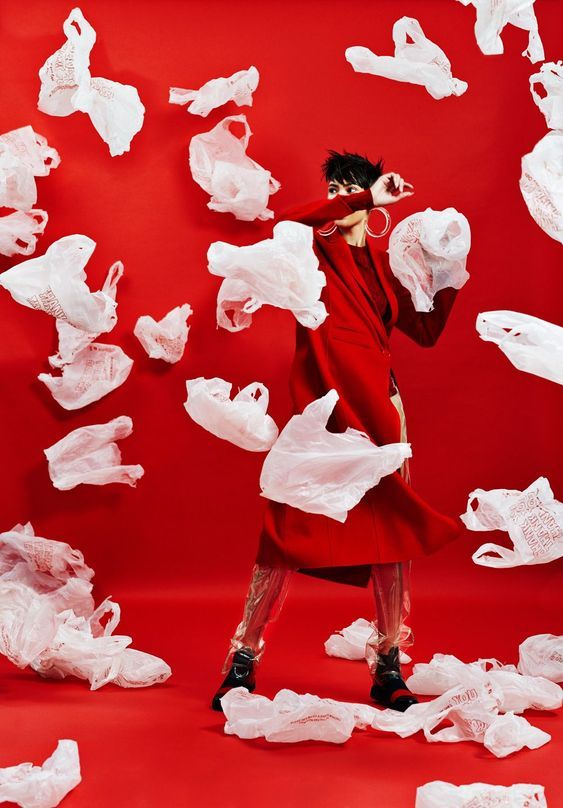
<point x="391" y="591"/>
<point x="264" y="600"/>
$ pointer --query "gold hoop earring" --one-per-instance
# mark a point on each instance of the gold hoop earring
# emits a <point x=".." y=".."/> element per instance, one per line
<point x="386" y="226"/>
<point x="328" y="232"/>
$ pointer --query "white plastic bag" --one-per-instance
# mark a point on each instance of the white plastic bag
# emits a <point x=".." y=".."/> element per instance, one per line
<point x="350" y="642"/>
<point x="90" y="455"/>
<point x="541" y="184"/>
<point x="243" y="420"/>
<point x="324" y="472"/>
<point x="42" y="786"/>
<point x="19" y="231"/>
<point x="493" y="15"/>
<point x="509" y="733"/>
<point x="532" y="345"/>
<point x="235" y="182"/>
<point x="428" y="252"/>
<point x="439" y="794"/>
<point x="55" y="283"/>
<point x="281" y="271"/>
<point x="533" y="519"/>
<point x="542" y="655"/>
<point x="115" y="109"/>
<point x="166" y="338"/>
<point x="24" y="155"/>
<point x="550" y="76"/>
<point x="418" y="61"/>
<point x="216" y="92"/>
<point x="27" y="623"/>
<point x="291" y="717"/>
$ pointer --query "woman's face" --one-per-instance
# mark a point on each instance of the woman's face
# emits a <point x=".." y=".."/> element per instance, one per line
<point x="343" y="189"/>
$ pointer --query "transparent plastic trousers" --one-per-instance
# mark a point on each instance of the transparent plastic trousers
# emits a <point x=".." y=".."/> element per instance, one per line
<point x="390" y="584"/>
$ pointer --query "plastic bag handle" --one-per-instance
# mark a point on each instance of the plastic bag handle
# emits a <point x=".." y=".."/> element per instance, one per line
<point x="407" y="26"/>
<point x="226" y="124"/>
<point x="508" y="558"/>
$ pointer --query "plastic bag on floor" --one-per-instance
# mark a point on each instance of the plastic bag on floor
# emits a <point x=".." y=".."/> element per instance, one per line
<point x="350" y="642"/>
<point x="27" y="623"/>
<point x="42" y="786"/>
<point x="235" y="182"/>
<point x="90" y="455"/>
<point x="243" y="420"/>
<point x="533" y="519"/>
<point x="550" y="76"/>
<point x="115" y="109"/>
<point x="541" y="184"/>
<point x="417" y="60"/>
<point x="282" y="271"/>
<point x="542" y="655"/>
<point x="24" y="155"/>
<point x="19" y="231"/>
<point x="532" y="345"/>
<point x="55" y="283"/>
<point x="291" y="717"/>
<point x="47" y="559"/>
<point x="216" y="92"/>
<point x="428" y="252"/>
<point x="492" y="18"/>
<point x="166" y="338"/>
<point x="509" y="733"/>
<point x="439" y="794"/>
<point x="319" y="471"/>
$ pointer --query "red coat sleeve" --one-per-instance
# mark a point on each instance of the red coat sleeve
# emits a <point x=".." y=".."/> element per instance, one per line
<point x="317" y="213"/>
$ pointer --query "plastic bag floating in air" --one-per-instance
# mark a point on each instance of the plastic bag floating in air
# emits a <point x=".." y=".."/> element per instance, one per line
<point x="550" y="76"/>
<point x="282" y="271"/>
<point x="236" y="183"/>
<point x="418" y="61"/>
<point x="533" y="519"/>
<point x="350" y="642"/>
<point x="542" y="655"/>
<point x="242" y="420"/>
<point x="324" y="472"/>
<point x="532" y="345"/>
<point x="428" y="252"/>
<point x="541" y="184"/>
<point x="24" y="155"/>
<point x="166" y="338"/>
<point x="90" y="455"/>
<point x="214" y="93"/>
<point x="55" y="283"/>
<point x="42" y="786"/>
<point x="19" y="231"/>
<point x="439" y="794"/>
<point x="493" y="15"/>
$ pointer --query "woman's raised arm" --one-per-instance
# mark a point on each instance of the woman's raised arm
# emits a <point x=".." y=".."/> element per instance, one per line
<point x="317" y="213"/>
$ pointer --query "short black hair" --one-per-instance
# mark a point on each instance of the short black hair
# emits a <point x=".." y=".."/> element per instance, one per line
<point x="350" y="167"/>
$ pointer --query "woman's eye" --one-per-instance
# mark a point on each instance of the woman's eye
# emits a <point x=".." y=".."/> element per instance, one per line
<point x="352" y="189"/>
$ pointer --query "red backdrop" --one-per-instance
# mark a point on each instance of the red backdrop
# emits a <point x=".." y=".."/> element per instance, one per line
<point x="474" y="421"/>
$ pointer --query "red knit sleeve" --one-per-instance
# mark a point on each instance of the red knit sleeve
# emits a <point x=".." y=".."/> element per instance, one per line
<point x="317" y="213"/>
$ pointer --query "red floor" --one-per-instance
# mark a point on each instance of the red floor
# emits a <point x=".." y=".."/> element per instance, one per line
<point x="165" y="747"/>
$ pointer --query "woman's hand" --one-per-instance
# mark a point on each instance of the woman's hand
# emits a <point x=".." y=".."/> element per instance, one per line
<point x="389" y="188"/>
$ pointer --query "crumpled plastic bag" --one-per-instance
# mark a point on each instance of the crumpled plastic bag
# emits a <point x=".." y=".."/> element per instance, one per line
<point x="541" y="184"/>
<point x="550" y="76"/>
<point x="350" y="642"/>
<point x="325" y="472"/>
<point x="216" y="92"/>
<point x="115" y="109"/>
<point x="24" y="155"/>
<point x="533" y="519"/>
<point x="90" y="455"/>
<point x="42" y="786"/>
<point x="531" y="344"/>
<point x="492" y="18"/>
<point x="516" y="691"/>
<point x="439" y="794"/>
<point x="55" y="283"/>
<point x="291" y="717"/>
<point x="236" y="183"/>
<point x="509" y="733"/>
<point x="428" y="252"/>
<point x="166" y="338"/>
<point x="19" y="231"/>
<point x="281" y="271"/>
<point x="542" y="655"/>
<point x="418" y="61"/>
<point x="243" y="420"/>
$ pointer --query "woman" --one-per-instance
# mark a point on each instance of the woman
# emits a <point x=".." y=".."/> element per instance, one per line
<point x="350" y="352"/>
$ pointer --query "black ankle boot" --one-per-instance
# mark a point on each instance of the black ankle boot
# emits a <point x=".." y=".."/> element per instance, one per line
<point x="241" y="674"/>
<point x="388" y="686"/>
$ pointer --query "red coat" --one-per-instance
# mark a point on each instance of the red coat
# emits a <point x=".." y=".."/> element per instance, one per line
<point x="350" y="352"/>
